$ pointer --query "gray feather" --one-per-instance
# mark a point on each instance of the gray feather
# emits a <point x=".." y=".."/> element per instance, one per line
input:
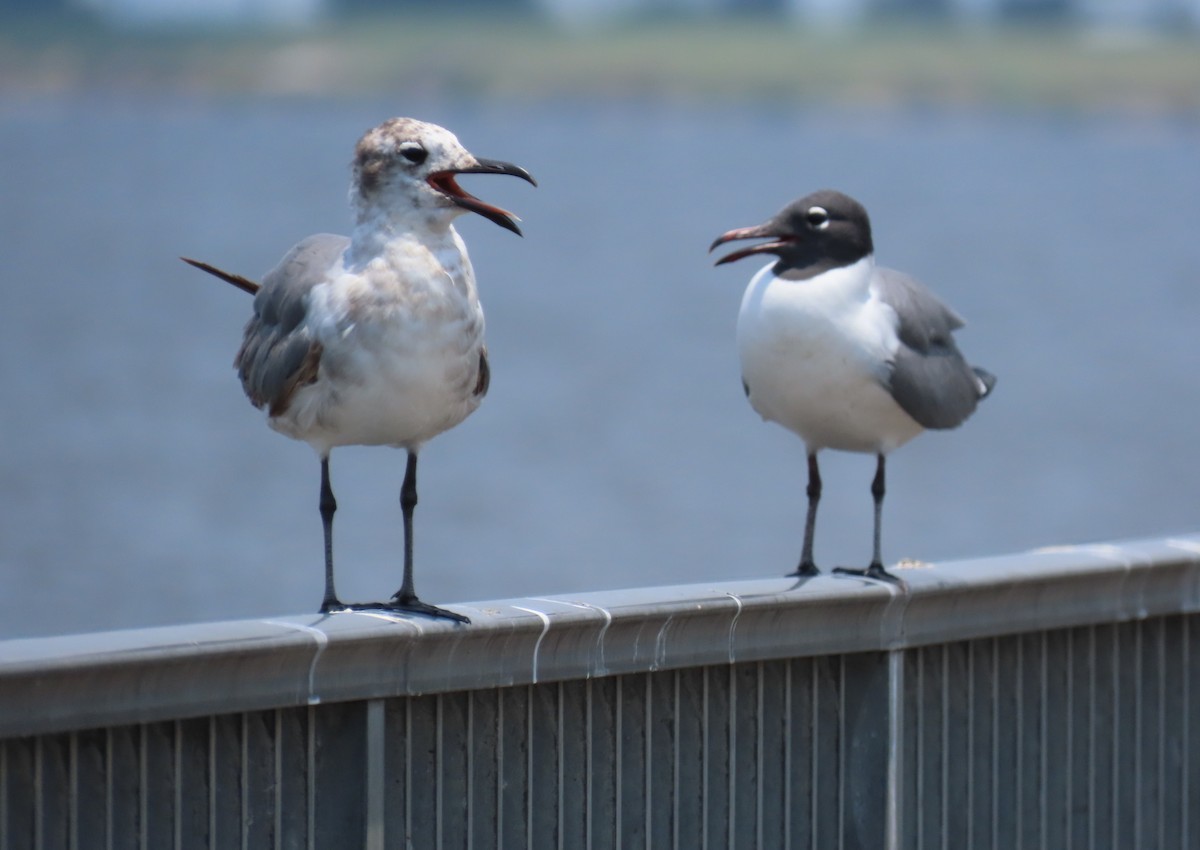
<point x="278" y="354"/>
<point x="929" y="377"/>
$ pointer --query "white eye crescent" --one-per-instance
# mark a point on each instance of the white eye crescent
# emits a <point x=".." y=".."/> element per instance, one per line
<point x="414" y="152"/>
<point x="817" y="218"/>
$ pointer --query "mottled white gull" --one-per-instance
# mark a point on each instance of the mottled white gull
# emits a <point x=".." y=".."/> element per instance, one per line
<point x="377" y="338"/>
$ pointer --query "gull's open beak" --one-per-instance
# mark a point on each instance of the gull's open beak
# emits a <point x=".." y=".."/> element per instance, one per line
<point x="776" y="242"/>
<point x="444" y="182"/>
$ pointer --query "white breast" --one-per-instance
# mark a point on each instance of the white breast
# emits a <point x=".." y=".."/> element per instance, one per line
<point x="401" y="338"/>
<point x="814" y="355"/>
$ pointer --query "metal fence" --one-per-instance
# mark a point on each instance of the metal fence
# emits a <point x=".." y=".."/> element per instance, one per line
<point x="1042" y="700"/>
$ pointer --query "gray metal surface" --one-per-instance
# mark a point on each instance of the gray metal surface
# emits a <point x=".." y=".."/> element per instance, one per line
<point x="1081" y="737"/>
<point x="80" y="681"/>
<point x="771" y="754"/>
<point x="1048" y="700"/>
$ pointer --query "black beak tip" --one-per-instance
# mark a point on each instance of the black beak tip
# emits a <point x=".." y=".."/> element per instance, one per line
<point x="514" y="171"/>
<point x="499" y="166"/>
<point x="723" y="239"/>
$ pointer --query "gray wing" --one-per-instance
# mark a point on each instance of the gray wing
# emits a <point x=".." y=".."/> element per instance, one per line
<point x="929" y="377"/>
<point x="278" y="354"/>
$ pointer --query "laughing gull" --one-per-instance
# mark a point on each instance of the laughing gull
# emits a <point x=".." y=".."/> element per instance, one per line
<point x="846" y="354"/>
<point x="377" y="339"/>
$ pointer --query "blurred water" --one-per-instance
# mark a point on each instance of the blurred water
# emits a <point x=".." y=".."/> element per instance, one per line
<point x="615" y="447"/>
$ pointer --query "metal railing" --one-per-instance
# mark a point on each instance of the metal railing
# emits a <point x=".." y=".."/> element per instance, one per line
<point x="1043" y="700"/>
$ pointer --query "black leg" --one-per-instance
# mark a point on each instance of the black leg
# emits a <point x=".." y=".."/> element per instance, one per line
<point x="876" y="570"/>
<point x="877" y="491"/>
<point x="328" y="508"/>
<point x="408" y="504"/>
<point x="807" y="567"/>
<point x="406" y="597"/>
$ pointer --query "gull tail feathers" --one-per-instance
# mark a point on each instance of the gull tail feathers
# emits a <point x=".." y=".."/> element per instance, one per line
<point x="242" y="283"/>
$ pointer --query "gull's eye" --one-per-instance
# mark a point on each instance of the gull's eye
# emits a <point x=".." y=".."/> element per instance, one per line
<point x="414" y="152"/>
<point x="817" y="218"/>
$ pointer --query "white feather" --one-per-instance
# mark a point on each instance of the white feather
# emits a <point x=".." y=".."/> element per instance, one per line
<point x="814" y="355"/>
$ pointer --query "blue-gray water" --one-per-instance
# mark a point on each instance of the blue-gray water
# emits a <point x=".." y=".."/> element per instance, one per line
<point x="615" y="447"/>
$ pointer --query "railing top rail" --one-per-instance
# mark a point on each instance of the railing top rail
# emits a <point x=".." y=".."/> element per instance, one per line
<point x="123" y="677"/>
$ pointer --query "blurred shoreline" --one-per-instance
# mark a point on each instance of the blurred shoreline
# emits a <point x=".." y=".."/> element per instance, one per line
<point x="522" y="57"/>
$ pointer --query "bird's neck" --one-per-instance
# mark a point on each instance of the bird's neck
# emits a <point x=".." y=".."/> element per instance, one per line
<point x="395" y="215"/>
<point x="380" y="230"/>
<point x="829" y="274"/>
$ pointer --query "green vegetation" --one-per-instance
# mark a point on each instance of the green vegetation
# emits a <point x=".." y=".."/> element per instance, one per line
<point x="522" y="57"/>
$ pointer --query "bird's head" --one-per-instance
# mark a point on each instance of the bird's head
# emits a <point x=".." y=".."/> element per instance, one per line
<point x="405" y="164"/>
<point x="824" y="229"/>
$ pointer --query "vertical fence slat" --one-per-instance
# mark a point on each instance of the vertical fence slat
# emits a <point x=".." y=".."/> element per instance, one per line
<point x="930" y="719"/>
<point x="125" y="798"/>
<point x="453" y="786"/>
<point x="1190" y="808"/>
<point x="18" y="805"/>
<point x="158" y="785"/>
<point x="772" y="754"/>
<point x="1028" y="740"/>
<point x="339" y="781"/>
<point x="1103" y="739"/>
<point x="91" y="786"/>
<point x="1081" y="673"/>
<point x="1125" y="734"/>
<point x="484" y="793"/>
<point x="690" y="758"/>
<point x="226" y="771"/>
<point x="743" y="778"/>
<point x="912" y="778"/>
<point x="827" y="750"/>
<point x="1006" y="743"/>
<point x="544" y="755"/>
<point x="865" y="695"/>
<point x="660" y="773"/>
<point x="1151" y="666"/>
<point x="291" y="778"/>
<point x="602" y="764"/>
<point x="631" y="763"/>
<point x="573" y="773"/>
<point x="1173" y="731"/>
<point x="54" y="779"/>
<point x="514" y="767"/>
<point x="982" y="744"/>
<point x="192" y="784"/>
<point x="420" y="738"/>
<point x="717" y="767"/>
<point x="258" y="780"/>
<point x="801" y="753"/>
<point x="1055" y="669"/>
<point x="395" y="772"/>
<point x="956" y="745"/>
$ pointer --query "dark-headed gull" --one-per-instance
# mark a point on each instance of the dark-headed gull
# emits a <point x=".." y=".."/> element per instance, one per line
<point x="845" y="353"/>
